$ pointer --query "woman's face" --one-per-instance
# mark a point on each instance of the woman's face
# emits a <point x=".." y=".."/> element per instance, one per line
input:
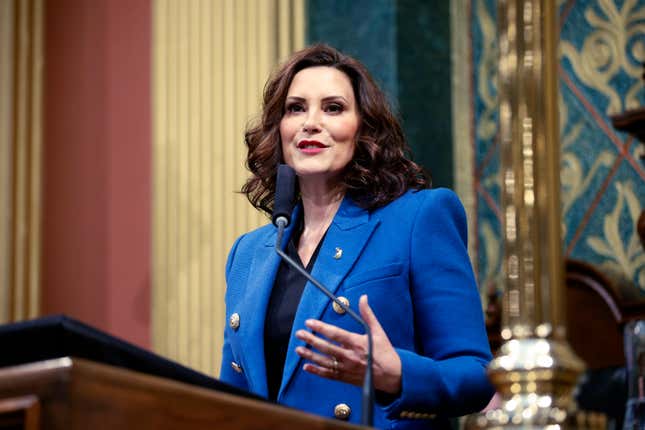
<point x="319" y="125"/>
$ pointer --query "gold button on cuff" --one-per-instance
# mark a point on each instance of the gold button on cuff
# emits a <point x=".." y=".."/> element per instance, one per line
<point x="416" y="415"/>
<point x="234" y="321"/>
<point x="236" y="367"/>
<point x="342" y="411"/>
<point x="336" y="306"/>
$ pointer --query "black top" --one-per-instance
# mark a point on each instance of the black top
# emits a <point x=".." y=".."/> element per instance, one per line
<point x="285" y="297"/>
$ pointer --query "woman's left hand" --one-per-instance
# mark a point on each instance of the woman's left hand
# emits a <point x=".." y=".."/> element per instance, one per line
<point x="341" y="355"/>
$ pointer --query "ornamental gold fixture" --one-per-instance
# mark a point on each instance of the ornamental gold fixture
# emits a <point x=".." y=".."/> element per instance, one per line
<point x="536" y="369"/>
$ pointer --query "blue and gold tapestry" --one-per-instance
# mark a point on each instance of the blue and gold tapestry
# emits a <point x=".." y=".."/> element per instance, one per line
<point x="602" y="49"/>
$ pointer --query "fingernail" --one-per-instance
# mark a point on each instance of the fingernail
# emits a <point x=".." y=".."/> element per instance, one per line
<point x="310" y="323"/>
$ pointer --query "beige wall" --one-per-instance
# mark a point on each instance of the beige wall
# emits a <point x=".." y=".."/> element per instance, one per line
<point x="210" y="62"/>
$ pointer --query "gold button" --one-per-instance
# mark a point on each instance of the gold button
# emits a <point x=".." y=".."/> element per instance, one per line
<point x="338" y="254"/>
<point x="234" y="321"/>
<point x="337" y="307"/>
<point x="236" y="367"/>
<point x="342" y="411"/>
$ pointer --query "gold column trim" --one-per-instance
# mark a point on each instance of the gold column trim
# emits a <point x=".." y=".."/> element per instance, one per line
<point x="536" y="369"/>
<point x="462" y="111"/>
<point x="21" y="143"/>
<point x="6" y="171"/>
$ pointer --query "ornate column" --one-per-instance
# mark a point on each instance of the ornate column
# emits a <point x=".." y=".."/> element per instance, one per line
<point x="536" y="369"/>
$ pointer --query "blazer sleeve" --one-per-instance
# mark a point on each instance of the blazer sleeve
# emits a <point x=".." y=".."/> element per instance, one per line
<point x="447" y="372"/>
<point x="227" y="374"/>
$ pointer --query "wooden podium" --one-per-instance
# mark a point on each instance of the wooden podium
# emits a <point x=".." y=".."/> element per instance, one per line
<point x="71" y="393"/>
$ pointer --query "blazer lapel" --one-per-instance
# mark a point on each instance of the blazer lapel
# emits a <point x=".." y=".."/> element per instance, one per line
<point x="349" y="232"/>
<point x="262" y="273"/>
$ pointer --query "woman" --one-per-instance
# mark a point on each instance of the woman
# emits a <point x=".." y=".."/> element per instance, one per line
<point x="367" y="227"/>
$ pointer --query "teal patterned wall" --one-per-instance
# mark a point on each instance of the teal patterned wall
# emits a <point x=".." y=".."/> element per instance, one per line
<point x="602" y="49"/>
<point x="365" y="29"/>
<point x="406" y="46"/>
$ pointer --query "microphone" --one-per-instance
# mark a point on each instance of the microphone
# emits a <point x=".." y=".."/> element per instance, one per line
<point x="285" y="190"/>
<point x="284" y="202"/>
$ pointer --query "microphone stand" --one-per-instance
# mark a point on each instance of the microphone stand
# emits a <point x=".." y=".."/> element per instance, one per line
<point x="368" y="386"/>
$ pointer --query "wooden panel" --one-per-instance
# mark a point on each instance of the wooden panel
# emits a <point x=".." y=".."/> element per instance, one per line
<point x="596" y="316"/>
<point x="594" y="333"/>
<point x="20" y="413"/>
<point x="78" y="394"/>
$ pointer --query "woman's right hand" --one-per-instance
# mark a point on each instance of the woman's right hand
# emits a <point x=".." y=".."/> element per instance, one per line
<point x="341" y="355"/>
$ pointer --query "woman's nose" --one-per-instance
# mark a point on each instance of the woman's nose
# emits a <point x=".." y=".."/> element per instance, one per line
<point x="312" y="122"/>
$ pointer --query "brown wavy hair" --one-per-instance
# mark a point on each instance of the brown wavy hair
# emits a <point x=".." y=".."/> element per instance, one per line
<point x="381" y="169"/>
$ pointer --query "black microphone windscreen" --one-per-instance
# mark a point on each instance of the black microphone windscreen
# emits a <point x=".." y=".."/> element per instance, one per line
<point x="285" y="190"/>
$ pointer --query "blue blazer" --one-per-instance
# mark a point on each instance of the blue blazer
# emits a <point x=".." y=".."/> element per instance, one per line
<point x="410" y="258"/>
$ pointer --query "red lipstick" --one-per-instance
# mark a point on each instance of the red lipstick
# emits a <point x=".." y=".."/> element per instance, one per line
<point x="311" y="147"/>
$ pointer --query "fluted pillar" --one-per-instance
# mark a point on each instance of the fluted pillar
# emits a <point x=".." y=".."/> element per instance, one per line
<point x="211" y="60"/>
<point x="21" y="126"/>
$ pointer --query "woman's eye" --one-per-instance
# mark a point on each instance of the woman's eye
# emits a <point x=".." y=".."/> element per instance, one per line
<point x="334" y="108"/>
<point x="295" y="107"/>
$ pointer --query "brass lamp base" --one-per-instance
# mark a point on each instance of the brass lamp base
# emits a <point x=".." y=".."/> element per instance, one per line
<point x="535" y="378"/>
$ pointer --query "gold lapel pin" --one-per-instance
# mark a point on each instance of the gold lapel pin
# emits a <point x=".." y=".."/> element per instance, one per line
<point x="338" y="254"/>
